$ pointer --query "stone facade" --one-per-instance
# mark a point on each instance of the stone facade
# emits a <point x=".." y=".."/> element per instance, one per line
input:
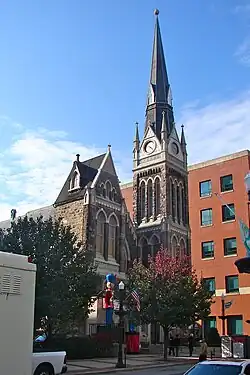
<point x="74" y="214"/>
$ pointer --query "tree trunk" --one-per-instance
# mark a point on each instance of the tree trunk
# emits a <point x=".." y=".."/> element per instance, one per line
<point x="165" y="349"/>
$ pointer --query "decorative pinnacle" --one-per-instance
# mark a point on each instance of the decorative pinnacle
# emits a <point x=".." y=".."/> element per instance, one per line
<point x="156" y="12"/>
<point x="182" y="126"/>
<point x="109" y="147"/>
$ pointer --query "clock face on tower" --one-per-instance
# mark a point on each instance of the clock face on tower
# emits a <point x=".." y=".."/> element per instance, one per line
<point x="175" y="148"/>
<point x="149" y="147"/>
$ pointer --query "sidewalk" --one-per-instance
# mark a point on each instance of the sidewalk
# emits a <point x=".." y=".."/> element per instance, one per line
<point x="133" y="362"/>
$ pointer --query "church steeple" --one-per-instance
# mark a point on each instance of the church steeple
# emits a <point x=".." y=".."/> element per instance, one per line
<point x="159" y="97"/>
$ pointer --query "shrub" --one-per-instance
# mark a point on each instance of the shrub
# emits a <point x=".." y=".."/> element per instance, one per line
<point x="82" y="347"/>
<point x="213" y="337"/>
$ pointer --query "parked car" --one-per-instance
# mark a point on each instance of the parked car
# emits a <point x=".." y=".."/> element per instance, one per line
<point x="220" y="368"/>
<point x="46" y="362"/>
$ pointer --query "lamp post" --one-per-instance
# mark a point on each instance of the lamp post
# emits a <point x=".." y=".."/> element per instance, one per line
<point x="223" y="316"/>
<point x="120" y="312"/>
<point x="243" y="264"/>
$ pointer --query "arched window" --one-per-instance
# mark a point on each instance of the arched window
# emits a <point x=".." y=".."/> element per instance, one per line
<point x="75" y="181"/>
<point x="112" y="237"/>
<point x="178" y="206"/>
<point x="150" y="198"/>
<point x="142" y="200"/>
<point x="157" y="196"/>
<point x="145" y="251"/>
<point x="109" y="190"/>
<point x="155" y="245"/>
<point x="114" y="195"/>
<point x="170" y="197"/>
<point x="100" y="233"/>
<point x="174" y="247"/>
<point x="173" y="201"/>
<point x="183" y="206"/>
<point x="182" y="248"/>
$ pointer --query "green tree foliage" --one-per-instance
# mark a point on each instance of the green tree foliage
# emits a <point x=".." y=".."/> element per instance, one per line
<point x="66" y="279"/>
<point x="170" y="292"/>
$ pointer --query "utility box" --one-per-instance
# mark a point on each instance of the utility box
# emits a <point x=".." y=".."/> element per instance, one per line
<point x="17" y="298"/>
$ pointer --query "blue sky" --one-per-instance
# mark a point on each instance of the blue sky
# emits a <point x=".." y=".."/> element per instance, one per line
<point x="74" y="75"/>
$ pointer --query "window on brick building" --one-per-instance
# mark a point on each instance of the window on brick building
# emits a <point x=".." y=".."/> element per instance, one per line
<point x="226" y="183"/>
<point x="234" y="325"/>
<point x="205" y="188"/>
<point x="228" y="212"/>
<point x="206" y="217"/>
<point x="230" y="246"/>
<point x="207" y="249"/>
<point x="210" y="284"/>
<point x="209" y="323"/>
<point x="232" y="284"/>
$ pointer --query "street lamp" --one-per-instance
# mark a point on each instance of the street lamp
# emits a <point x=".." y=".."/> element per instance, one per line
<point x="243" y="264"/>
<point x="223" y="316"/>
<point x="121" y="313"/>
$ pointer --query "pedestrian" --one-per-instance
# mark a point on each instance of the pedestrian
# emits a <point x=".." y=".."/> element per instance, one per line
<point x="203" y="353"/>
<point x="177" y="343"/>
<point x="191" y="344"/>
<point x="171" y="345"/>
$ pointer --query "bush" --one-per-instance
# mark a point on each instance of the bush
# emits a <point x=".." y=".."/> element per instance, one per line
<point x="213" y="337"/>
<point x="83" y="347"/>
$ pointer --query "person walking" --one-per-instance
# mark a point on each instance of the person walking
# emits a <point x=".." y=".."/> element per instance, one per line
<point x="203" y="353"/>
<point x="171" y="345"/>
<point x="191" y="344"/>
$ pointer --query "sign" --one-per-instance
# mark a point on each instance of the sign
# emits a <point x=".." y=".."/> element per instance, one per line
<point x="228" y="304"/>
<point x="116" y="305"/>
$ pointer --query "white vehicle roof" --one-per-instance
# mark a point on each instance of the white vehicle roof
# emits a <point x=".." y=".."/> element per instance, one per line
<point x="225" y="363"/>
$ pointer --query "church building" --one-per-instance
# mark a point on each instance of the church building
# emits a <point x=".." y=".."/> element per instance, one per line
<point x="158" y="197"/>
<point x="122" y="222"/>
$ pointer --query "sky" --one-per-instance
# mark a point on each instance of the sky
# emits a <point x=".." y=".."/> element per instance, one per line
<point x="74" y="76"/>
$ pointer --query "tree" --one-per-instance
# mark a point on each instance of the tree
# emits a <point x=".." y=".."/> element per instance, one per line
<point x="66" y="279"/>
<point x="170" y="292"/>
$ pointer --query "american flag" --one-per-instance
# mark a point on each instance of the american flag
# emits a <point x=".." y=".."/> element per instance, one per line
<point x="136" y="298"/>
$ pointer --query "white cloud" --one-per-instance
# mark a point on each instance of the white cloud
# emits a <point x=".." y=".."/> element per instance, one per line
<point x="242" y="52"/>
<point x="34" y="168"/>
<point x="217" y="129"/>
<point x="35" y="165"/>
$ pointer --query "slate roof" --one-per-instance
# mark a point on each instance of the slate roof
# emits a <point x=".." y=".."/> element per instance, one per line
<point x="88" y="170"/>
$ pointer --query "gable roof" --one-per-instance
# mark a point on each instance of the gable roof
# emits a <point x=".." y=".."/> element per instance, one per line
<point x="88" y="170"/>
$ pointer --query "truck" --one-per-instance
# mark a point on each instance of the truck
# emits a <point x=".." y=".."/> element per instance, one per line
<point x="17" y="300"/>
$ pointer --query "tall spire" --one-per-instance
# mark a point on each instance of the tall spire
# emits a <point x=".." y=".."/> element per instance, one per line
<point x="159" y="96"/>
<point x="158" y="74"/>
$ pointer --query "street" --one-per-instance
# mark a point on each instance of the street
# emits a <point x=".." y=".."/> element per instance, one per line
<point x="169" y="370"/>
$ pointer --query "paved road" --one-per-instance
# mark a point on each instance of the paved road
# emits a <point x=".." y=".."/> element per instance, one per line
<point x="169" y="370"/>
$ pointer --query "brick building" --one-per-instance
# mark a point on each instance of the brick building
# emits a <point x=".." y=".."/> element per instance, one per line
<point x="215" y="234"/>
<point x="216" y="240"/>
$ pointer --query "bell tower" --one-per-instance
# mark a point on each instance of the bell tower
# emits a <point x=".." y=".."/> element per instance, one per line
<point x="160" y="183"/>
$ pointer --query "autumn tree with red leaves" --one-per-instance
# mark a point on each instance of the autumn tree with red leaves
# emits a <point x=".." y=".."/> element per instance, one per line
<point x="170" y="292"/>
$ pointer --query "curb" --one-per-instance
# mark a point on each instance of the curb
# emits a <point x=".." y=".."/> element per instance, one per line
<point x="135" y="368"/>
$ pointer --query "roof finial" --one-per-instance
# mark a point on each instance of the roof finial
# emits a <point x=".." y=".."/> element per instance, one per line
<point x="77" y="157"/>
<point x="109" y="148"/>
<point x="156" y="12"/>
